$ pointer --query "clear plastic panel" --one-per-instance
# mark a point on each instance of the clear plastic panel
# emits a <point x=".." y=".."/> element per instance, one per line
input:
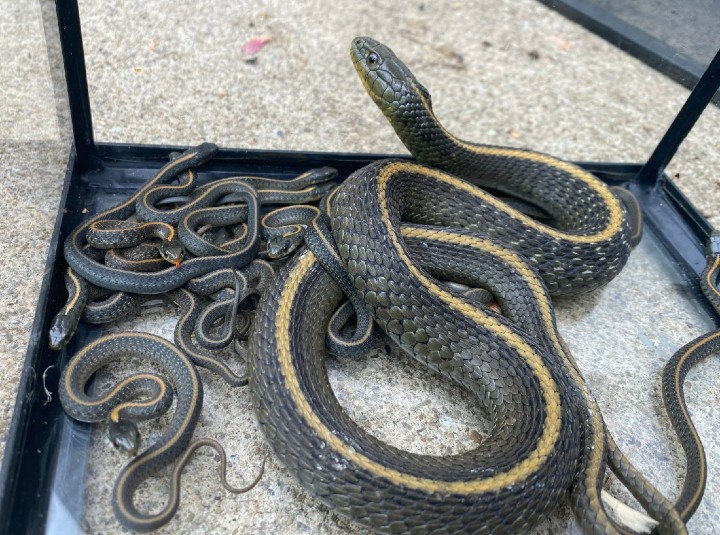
<point x="690" y="27"/>
<point x="34" y="148"/>
<point x="30" y="106"/>
<point x="508" y="73"/>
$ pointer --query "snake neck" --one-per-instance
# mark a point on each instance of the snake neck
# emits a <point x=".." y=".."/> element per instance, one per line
<point x="420" y="131"/>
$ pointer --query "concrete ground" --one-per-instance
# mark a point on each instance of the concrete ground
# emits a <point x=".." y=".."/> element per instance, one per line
<point x="509" y="72"/>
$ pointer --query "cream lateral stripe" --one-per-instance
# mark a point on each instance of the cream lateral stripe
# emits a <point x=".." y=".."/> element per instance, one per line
<point x="615" y="212"/>
<point x="113" y="253"/>
<point x="240" y="238"/>
<point x="328" y="246"/>
<point x="171" y="229"/>
<point x="274" y="213"/>
<point x="164" y="447"/>
<point x="71" y="371"/>
<point x="709" y="276"/>
<point x="612" y="203"/>
<point x="328" y="200"/>
<point x="526" y="273"/>
<point x="114" y="391"/>
<point x="515" y="475"/>
<point x="115" y="413"/>
<point x="344" y="342"/>
<point x="508" y="256"/>
<point x="191" y="178"/>
<point x="84" y="226"/>
<point x="174" y="163"/>
<point x="162" y="272"/>
<point x="76" y="283"/>
<point x="596" y="461"/>
<point x="534" y="360"/>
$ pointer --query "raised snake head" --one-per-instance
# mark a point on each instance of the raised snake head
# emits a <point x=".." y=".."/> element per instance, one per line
<point x="387" y="79"/>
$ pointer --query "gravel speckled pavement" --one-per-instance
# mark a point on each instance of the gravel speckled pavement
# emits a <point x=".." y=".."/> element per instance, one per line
<point x="509" y="72"/>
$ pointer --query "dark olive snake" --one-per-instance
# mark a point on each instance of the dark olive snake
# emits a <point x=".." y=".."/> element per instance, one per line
<point x="388" y="219"/>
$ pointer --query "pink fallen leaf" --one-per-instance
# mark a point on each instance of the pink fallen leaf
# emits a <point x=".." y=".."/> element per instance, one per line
<point x="559" y="41"/>
<point x="254" y="46"/>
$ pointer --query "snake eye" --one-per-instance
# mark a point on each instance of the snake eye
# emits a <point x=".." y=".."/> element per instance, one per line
<point x="373" y="59"/>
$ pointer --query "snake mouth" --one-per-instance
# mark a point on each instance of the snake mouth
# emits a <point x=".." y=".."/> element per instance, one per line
<point x="172" y="253"/>
<point x="358" y="54"/>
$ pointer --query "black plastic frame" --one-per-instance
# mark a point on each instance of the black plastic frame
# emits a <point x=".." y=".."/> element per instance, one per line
<point x="98" y="172"/>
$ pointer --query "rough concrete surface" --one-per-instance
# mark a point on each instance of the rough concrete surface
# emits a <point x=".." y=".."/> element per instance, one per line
<point x="508" y="72"/>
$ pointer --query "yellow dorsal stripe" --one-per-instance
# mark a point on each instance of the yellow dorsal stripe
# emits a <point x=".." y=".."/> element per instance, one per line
<point x="613" y="227"/>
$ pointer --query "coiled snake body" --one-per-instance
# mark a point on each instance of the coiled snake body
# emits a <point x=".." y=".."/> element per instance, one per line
<point x="548" y="437"/>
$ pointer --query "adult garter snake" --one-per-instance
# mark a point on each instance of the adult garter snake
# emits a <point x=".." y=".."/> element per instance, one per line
<point x="548" y="438"/>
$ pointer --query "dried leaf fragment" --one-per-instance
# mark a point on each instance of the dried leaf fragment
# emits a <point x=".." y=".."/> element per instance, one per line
<point x="252" y="48"/>
<point x="559" y="41"/>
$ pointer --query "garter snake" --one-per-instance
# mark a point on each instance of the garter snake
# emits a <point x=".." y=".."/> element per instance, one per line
<point x="171" y="278"/>
<point x="84" y="267"/>
<point x="81" y="303"/>
<point x="191" y="308"/>
<point x="549" y="437"/>
<point x="673" y="381"/>
<point x="114" y="234"/>
<point x="252" y="280"/>
<point x="123" y="404"/>
<point x="140" y="276"/>
<point x="143" y="257"/>
<point x="294" y="398"/>
<point x="74" y="245"/>
<point x="592" y="240"/>
<point x="283" y="227"/>
<point x="298" y="189"/>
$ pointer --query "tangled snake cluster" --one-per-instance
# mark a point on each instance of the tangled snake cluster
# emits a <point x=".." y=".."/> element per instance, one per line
<point x="458" y="279"/>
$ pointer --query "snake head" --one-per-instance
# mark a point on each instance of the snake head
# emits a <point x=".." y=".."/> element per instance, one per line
<point x="61" y="330"/>
<point x="318" y="175"/>
<point x="172" y="251"/>
<point x="388" y="81"/>
<point x="282" y="246"/>
<point x="124" y="435"/>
